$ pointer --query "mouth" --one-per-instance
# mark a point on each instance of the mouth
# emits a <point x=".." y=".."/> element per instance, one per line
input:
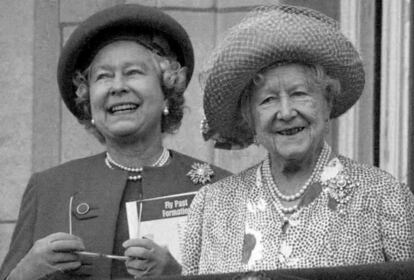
<point x="123" y="108"/>
<point x="290" y="131"/>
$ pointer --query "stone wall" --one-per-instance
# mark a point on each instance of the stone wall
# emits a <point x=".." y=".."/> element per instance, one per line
<point x="16" y="91"/>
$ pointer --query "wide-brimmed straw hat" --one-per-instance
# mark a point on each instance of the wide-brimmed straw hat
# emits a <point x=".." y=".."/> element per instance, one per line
<point x="119" y="22"/>
<point x="267" y="36"/>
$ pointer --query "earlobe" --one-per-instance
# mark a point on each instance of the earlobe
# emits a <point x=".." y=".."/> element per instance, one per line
<point x="329" y="107"/>
<point x="166" y="110"/>
<point x="327" y="125"/>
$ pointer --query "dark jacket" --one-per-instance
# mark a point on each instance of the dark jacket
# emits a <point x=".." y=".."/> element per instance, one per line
<point x="45" y="205"/>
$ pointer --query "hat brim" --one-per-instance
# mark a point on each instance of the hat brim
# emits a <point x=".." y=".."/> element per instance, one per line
<point x="121" y="20"/>
<point x="310" y="41"/>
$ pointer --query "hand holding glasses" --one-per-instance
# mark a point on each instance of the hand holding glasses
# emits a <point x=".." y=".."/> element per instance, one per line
<point x="91" y="254"/>
<point x="55" y="252"/>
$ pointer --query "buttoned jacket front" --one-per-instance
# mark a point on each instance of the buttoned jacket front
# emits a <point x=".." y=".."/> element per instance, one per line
<point x="96" y="192"/>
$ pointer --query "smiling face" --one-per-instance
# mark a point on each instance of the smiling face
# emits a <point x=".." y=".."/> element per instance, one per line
<point x="125" y="92"/>
<point x="290" y="112"/>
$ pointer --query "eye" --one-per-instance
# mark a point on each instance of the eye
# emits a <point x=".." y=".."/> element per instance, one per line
<point x="299" y="93"/>
<point x="268" y="99"/>
<point x="101" y="75"/>
<point x="134" y="71"/>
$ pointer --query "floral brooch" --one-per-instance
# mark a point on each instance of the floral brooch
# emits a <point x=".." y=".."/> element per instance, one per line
<point x="337" y="183"/>
<point x="200" y="173"/>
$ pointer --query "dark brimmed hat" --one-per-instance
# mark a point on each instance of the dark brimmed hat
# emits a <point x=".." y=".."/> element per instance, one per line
<point x="118" y="22"/>
<point x="267" y="36"/>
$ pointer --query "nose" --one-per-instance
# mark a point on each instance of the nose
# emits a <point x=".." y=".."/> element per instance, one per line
<point x="118" y="86"/>
<point x="286" y="110"/>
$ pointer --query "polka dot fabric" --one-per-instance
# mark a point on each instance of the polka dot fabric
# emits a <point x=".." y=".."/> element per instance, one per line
<point x="375" y="225"/>
<point x="270" y="35"/>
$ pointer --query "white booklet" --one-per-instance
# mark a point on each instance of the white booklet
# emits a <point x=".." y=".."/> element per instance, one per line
<point x="162" y="219"/>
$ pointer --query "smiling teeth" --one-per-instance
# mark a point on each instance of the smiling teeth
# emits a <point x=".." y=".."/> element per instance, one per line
<point x="291" y="131"/>
<point x="123" y="107"/>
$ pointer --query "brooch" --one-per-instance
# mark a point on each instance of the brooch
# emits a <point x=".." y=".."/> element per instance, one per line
<point x="200" y="173"/>
<point x="337" y="184"/>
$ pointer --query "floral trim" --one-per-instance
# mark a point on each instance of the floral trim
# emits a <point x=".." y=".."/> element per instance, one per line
<point x="331" y="170"/>
<point x="254" y="208"/>
<point x="200" y="173"/>
<point x="204" y="127"/>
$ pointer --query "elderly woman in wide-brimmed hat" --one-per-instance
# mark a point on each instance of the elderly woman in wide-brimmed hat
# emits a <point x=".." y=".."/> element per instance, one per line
<point x="122" y="73"/>
<point x="277" y="80"/>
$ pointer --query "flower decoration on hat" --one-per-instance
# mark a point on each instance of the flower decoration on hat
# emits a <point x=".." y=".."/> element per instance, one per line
<point x="204" y="126"/>
<point x="200" y="173"/>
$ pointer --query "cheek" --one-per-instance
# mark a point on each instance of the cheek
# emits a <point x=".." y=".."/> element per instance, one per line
<point x="93" y="102"/>
<point x="314" y="110"/>
<point x="263" y="120"/>
<point x="96" y="96"/>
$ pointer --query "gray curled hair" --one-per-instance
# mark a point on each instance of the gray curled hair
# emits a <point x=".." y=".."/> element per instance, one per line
<point x="173" y="79"/>
<point x="316" y="76"/>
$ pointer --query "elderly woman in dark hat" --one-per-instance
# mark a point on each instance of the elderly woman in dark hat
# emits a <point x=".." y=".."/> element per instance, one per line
<point x="122" y="73"/>
<point x="277" y="80"/>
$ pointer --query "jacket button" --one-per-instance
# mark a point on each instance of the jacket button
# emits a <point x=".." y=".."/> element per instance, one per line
<point x="82" y="208"/>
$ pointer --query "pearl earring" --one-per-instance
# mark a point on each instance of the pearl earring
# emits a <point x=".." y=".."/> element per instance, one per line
<point x="255" y="140"/>
<point x="92" y="121"/>
<point x="166" y="111"/>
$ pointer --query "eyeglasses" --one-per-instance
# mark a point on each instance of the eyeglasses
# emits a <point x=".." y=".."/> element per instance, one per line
<point x="86" y="253"/>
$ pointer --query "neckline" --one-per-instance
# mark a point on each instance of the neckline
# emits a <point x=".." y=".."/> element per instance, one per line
<point x="263" y="185"/>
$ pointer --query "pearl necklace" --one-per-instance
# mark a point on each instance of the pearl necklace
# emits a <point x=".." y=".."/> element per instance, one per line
<point x="320" y="163"/>
<point x="161" y="161"/>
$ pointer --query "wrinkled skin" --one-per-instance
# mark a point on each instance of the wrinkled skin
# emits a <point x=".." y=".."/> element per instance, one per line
<point x="55" y="252"/>
<point x="146" y="258"/>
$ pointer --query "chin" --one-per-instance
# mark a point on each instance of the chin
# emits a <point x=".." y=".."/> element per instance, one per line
<point x="124" y="130"/>
<point x="293" y="151"/>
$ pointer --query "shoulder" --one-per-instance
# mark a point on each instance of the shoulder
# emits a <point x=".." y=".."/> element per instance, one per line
<point x="223" y="196"/>
<point x="367" y="173"/>
<point x="73" y="166"/>
<point x="231" y="186"/>
<point x="370" y="178"/>
<point x="191" y="164"/>
<point x="67" y="172"/>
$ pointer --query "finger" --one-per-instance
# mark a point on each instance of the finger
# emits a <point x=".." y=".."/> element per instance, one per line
<point x="136" y="273"/>
<point x="140" y="242"/>
<point x="137" y="264"/>
<point x="57" y="258"/>
<point x="139" y="273"/>
<point x="61" y="236"/>
<point x="67" y="245"/>
<point x="138" y="252"/>
<point x="143" y="273"/>
<point x="68" y="266"/>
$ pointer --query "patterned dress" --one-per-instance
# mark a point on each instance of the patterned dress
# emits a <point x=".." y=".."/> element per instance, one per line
<point x="358" y="214"/>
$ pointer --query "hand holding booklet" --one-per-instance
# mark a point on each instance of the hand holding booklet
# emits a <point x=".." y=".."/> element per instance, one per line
<point x="161" y="219"/>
